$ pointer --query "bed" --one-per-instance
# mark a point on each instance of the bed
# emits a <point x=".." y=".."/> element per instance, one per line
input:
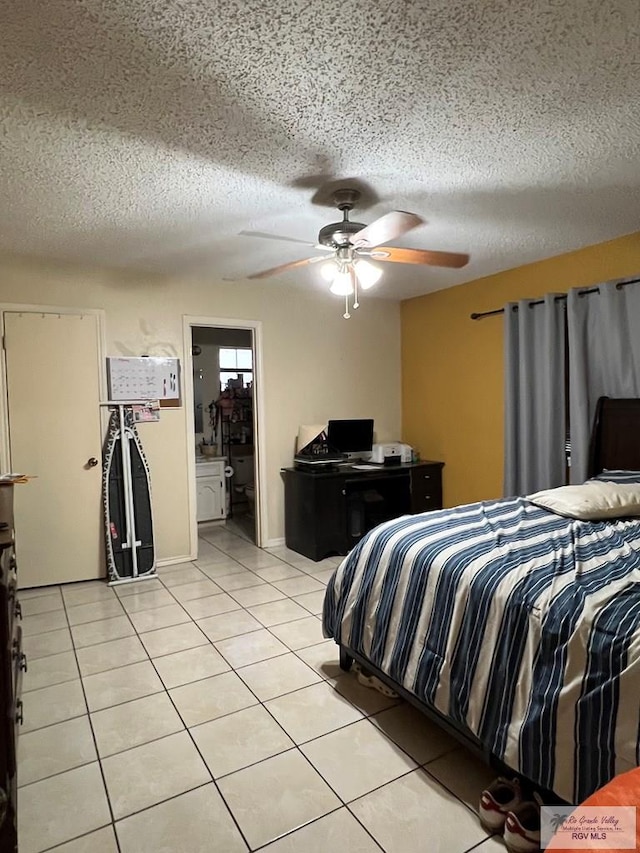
<point x="515" y="628"/>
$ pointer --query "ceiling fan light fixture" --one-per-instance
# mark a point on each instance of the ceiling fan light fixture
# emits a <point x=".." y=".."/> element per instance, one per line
<point x="367" y="274"/>
<point x="342" y="284"/>
<point x="328" y="271"/>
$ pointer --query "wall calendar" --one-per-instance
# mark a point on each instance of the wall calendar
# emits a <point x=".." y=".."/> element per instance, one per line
<point x="144" y="378"/>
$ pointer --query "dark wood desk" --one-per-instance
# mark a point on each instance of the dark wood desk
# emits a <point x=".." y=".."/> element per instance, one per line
<point x="327" y="512"/>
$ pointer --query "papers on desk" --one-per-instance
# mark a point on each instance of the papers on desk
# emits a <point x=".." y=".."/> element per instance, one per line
<point x="366" y="467"/>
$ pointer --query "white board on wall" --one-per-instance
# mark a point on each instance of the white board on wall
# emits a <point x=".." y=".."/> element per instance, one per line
<point x="144" y="378"/>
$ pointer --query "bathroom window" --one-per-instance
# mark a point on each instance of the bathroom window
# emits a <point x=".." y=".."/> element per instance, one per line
<point x="236" y="365"/>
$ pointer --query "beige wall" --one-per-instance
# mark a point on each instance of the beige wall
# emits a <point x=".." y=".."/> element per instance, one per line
<point x="316" y="365"/>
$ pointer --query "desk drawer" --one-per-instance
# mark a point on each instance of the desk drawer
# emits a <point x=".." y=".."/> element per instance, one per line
<point x="426" y="488"/>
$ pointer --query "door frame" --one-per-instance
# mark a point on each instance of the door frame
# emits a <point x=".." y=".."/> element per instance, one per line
<point x="254" y="326"/>
<point x="25" y="308"/>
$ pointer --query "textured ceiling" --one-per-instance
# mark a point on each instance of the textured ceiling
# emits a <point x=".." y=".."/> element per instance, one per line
<point x="148" y="133"/>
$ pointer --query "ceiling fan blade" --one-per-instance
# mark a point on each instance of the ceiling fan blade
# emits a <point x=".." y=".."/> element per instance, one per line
<point x="285" y="267"/>
<point x="418" y="256"/>
<point x="266" y="236"/>
<point x="387" y="227"/>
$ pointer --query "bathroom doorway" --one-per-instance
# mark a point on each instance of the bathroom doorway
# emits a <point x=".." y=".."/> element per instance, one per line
<point x="223" y="366"/>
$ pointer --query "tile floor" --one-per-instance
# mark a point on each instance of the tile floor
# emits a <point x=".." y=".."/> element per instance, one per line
<point x="204" y="712"/>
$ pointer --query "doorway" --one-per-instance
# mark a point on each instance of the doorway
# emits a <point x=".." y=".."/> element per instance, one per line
<point x="224" y="409"/>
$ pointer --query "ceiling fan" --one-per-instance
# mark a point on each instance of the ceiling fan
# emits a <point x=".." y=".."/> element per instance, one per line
<point x="353" y="245"/>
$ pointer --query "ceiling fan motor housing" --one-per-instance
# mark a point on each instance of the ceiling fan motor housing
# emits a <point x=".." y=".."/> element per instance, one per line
<point x="338" y="233"/>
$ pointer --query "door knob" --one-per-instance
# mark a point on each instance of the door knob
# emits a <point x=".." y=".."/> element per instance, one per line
<point x="92" y="462"/>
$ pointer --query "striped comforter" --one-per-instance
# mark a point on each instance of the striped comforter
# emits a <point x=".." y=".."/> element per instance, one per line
<point x="518" y="624"/>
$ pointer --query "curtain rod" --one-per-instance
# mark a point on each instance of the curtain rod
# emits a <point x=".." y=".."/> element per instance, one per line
<point x="560" y="298"/>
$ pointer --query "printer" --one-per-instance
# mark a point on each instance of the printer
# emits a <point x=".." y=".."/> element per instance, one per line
<point x="392" y="451"/>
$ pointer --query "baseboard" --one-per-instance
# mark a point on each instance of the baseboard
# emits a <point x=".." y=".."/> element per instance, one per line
<point x="274" y="543"/>
<point x="172" y="561"/>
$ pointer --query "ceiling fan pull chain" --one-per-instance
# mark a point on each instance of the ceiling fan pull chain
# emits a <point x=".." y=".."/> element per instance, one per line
<point x="346" y="314"/>
<point x="354" y="279"/>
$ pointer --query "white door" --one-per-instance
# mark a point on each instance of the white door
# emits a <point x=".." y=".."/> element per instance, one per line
<point x="53" y="388"/>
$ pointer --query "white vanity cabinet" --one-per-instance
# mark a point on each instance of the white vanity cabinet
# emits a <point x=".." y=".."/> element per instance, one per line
<point x="211" y="490"/>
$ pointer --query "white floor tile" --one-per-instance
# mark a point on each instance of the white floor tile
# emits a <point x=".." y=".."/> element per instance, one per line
<point x="189" y="574"/>
<point x="174" y="639"/>
<point x="49" y="813"/>
<point x="259" y="560"/>
<point x="41" y="604"/>
<point x="121" y="685"/>
<point x="414" y="732"/>
<point x="277" y="612"/>
<point x="165" y="571"/>
<point x="86" y="592"/>
<point x="101" y="841"/>
<point x="196" y="822"/>
<point x="338" y="831"/>
<point x="190" y="665"/>
<point x="239" y="580"/>
<point x="37" y="591"/>
<point x="276" y="796"/>
<point x="413" y="811"/>
<point x="274" y="677"/>
<point x="148" y="585"/>
<point x="212" y="605"/>
<point x="312" y="711"/>
<point x="147" y="599"/>
<point x="197" y="589"/>
<point x="206" y="550"/>
<point x="110" y="655"/>
<point x="101" y="632"/>
<point x="301" y="633"/>
<point x="366" y="699"/>
<point x="159" y="617"/>
<point x="463" y="774"/>
<point x="51" y="705"/>
<point x="228" y="625"/>
<point x="257" y="595"/>
<point x="357" y="759"/>
<point x="151" y="773"/>
<point x="209" y="698"/>
<point x="240" y="739"/>
<point x="279" y="571"/>
<point x="83" y="613"/>
<point x="324" y="658"/>
<point x="214" y="571"/>
<point x="134" y="723"/>
<point x="55" y="669"/>
<point x="298" y="586"/>
<point x="44" y="622"/>
<point x="250" y="648"/>
<point x="51" y="643"/>
<point x="311" y="601"/>
<point x="55" y="749"/>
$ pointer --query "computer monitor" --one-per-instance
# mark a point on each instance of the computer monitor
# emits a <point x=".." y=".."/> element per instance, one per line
<point x="353" y="436"/>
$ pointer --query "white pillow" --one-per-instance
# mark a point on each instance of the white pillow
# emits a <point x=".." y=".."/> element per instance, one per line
<point x="591" y="501"/>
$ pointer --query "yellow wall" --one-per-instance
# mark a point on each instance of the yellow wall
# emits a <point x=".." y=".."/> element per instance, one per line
<point x="452" y="390"/>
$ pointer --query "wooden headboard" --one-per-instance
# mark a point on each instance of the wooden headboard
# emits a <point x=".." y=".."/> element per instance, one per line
<point x="615" y="439"/>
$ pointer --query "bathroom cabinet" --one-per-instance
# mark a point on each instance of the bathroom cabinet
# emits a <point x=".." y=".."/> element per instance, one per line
<point x="211" y="490"/>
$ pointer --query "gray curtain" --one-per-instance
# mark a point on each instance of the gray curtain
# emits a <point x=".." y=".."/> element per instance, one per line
<point x="535" y="338"/>
<point x="604" y="359"/>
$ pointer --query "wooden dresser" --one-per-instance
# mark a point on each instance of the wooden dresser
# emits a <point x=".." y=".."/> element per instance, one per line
<point x="13" y="663"/>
